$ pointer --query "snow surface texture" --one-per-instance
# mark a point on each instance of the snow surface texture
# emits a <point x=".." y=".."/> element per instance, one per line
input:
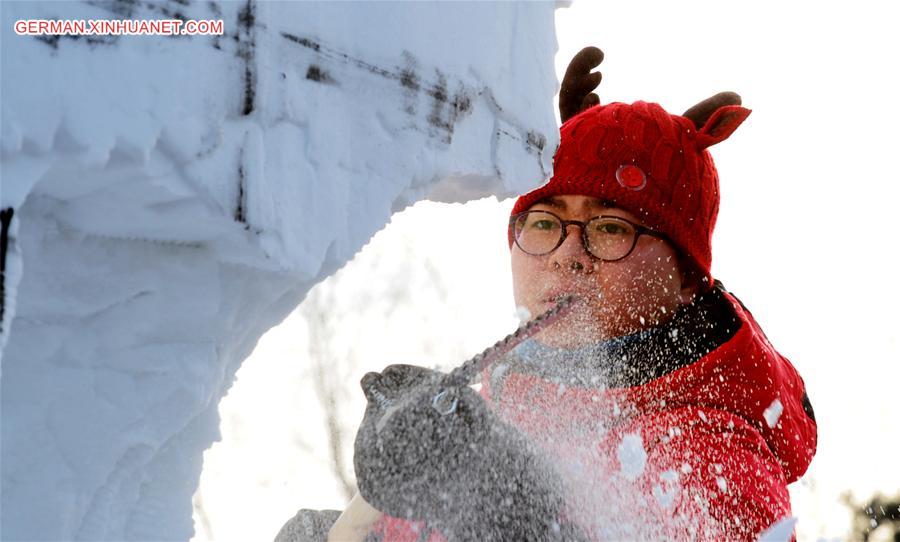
<point x="172" y="198"/>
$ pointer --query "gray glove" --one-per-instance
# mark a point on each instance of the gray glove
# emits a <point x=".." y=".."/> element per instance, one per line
<point x="308" y="526"/>
<point x="448" y="460"/>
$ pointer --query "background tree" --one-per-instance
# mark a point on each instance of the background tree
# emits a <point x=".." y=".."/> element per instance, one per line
<point x="345" y="306"/>
<point x="876" y="520"/>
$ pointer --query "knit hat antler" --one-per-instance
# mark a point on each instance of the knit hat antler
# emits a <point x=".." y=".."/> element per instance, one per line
<point x="575" y="90"/>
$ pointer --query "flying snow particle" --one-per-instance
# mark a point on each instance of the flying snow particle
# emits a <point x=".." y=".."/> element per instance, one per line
<point x="665" y="498"/>
<point x="772" y="413"/>
<point x="641" y="318"/>
<point x="523" y="314"/>
<point x="780" y="532"/>
<point x="666" y="491"/>
<point x="632" y="456"/>
<point x="723" y="485"/>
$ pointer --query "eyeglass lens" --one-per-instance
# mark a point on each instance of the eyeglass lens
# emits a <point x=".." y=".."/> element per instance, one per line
<point x="608" y="238"/>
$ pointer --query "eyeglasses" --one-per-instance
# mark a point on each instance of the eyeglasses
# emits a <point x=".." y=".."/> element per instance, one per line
<point x="607" y="238"/>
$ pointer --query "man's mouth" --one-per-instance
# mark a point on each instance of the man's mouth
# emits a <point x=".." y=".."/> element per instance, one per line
<point x="559" y="293"/>
<point x="556" y="297"/>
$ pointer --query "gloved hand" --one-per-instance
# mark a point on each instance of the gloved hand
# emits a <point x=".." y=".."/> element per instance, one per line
<point x="450" y="461"/>
<point x="407" y="454"/>
<point x="308" y="526"/>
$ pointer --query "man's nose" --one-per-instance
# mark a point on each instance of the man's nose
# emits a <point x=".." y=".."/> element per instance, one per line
<point x="571" y="255"/>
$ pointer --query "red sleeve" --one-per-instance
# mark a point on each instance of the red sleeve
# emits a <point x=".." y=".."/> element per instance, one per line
<point x="712" y="476"/>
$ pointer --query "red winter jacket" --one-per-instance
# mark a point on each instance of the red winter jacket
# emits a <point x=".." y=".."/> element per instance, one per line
<point x="703" y="451"/>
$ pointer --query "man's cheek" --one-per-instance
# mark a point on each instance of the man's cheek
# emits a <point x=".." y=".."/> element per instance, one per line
<point x="526" y="293"/>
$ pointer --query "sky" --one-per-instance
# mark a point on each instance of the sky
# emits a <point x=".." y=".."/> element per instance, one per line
<point x="804" y="238"/>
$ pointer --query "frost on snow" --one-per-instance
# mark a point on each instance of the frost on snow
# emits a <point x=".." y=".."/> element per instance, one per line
<point x="172" y="198"/>
<point x="773" y="412"/>
<point x="632" y="456"/>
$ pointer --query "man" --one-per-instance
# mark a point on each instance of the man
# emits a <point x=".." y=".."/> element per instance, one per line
<point x="656" y="410"/>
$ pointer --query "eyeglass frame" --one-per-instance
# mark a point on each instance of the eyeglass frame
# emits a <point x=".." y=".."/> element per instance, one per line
<point x="638" y="231"/>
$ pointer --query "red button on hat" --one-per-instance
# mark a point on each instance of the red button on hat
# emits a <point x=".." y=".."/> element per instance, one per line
<point x="631" y="177"/>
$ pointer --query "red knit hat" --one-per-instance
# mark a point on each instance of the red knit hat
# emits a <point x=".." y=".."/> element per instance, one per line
<point x="648" y="162"/>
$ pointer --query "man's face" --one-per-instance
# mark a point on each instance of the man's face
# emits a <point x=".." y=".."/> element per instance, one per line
<point x="615" y="298"/>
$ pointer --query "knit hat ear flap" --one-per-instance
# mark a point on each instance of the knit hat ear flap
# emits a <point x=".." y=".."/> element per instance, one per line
<point x="721" y="124"/>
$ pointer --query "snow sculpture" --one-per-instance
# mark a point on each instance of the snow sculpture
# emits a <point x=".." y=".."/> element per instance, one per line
<point x="167" y="199"/>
